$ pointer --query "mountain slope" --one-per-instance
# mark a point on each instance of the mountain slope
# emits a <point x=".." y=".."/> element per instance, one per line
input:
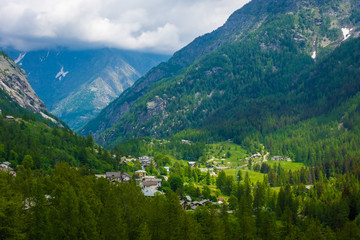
<point x="68" y="81"/>
<point x="30" y="135"/>
<point x="13" y="81"/>
<point x="241" y="81"/>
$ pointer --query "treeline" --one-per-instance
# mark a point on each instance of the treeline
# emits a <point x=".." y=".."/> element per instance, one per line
<point x="72" y="204"/>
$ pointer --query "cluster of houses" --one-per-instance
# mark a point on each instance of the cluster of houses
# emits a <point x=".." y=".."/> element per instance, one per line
<point x="117" y="177"/>
<point x="5" y="166"/>
<point x="149" y="184"/>
<point x="256" y="155"/>
<point x="274" y="158"/>
<point x="192" y="205"/>
<point x="145" y="161"/>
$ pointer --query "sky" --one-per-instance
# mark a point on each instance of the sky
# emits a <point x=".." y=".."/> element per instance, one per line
<point x="160" y="26"/>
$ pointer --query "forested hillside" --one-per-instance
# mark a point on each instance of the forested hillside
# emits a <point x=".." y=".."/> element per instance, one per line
<point x="32" y="136"/>
<point x="256" y="82"/>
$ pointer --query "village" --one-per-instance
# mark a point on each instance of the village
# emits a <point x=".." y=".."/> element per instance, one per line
<point x="145" y="172"/>
<point x="151" y="184"/>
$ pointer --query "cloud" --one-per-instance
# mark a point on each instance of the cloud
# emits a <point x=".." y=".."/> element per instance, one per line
<point x="157" y="25"/>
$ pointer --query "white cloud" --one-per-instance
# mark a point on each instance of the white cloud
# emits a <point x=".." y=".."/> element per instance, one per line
<point x="157" y="25"/>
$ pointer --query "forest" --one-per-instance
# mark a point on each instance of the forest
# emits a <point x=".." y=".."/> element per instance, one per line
<point x="71" y="203"/>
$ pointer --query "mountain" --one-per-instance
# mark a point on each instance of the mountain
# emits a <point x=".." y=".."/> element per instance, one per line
<point x="252" y="76"/>
<point x="35" y="134"/>
<point x="76" y="85"/>
<point x="14" y="83"/>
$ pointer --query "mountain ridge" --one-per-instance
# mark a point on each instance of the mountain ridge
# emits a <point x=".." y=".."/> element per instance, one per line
<point x="296" y="35"/>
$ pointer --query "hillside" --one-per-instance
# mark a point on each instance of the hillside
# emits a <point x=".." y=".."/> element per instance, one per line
<point x="260" y="72"/>
<point x="76" y="84"/>
<point x="30" y="134"/>
<point x="14" y="82"/>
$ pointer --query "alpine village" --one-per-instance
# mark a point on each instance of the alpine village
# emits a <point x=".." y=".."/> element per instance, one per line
<point x="251" y="131"/>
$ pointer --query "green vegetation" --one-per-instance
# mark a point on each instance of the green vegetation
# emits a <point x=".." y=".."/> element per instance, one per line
<point x="72" y="203"/>
<point x="264" y="94"/>
<point x="31" y="135"/>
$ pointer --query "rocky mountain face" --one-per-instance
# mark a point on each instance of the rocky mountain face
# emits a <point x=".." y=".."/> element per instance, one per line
<point x="14" y="82"/>
<point x="241" y="75"/>
<point x="77" y="85"/>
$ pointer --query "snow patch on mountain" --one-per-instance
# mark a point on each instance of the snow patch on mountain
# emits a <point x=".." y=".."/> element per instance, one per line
<point x="60" y="75"/>
<point x="44" y="58"/>
<point x="20" y="57"/>
<point x="346" y="33"/>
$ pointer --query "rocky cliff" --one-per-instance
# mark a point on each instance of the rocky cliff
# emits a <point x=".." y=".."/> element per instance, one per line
<point x="14" y="82"/>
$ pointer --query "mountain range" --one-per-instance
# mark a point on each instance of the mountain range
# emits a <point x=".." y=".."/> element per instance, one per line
<point x="272" y="65"/>
<point x="76" y="84"/>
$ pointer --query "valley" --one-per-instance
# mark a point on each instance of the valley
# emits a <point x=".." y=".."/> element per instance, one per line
<point x="251" y="131"/>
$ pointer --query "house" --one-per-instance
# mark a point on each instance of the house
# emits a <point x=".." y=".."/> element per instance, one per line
<point x="100" y="175"/>
<point x="185" y="141"/>
<point x="113" y="176"/>
<point x="149" y="184"/>
<point x="150" y="192"/>
<point x="9" y="117"/>
<point x="125" y="177"/>
<point x="118" y="176"/>
<point x="140" y="173"/>
<point x="192" y="205"/>
<point x="281" y="158"/>
<point x="5" y="166"/>
<point x="192" y="164"/>
<point x="0" y="112"/>
<point x="256" y="155"/>
<point x="145" y="158"/>
<point x="167" y="169"/>
<point x="145" y="161"/>
<point x="154" y="180"/>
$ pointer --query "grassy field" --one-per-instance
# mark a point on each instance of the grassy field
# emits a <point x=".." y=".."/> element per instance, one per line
<point x="293" y="166"/>
<point x="231" y="152"/>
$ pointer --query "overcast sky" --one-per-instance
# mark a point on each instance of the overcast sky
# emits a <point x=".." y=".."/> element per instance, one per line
<point x="162" y="26"/>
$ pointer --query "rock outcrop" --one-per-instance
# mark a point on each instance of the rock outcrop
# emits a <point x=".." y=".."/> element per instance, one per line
<point x="14" y="82"/>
